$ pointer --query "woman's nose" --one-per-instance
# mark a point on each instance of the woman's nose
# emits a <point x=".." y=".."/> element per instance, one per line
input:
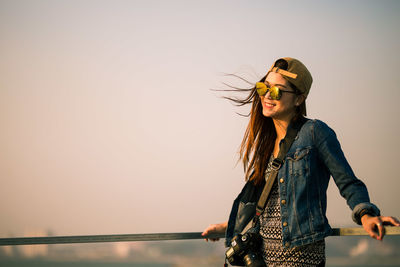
<point x="268" y="95"/>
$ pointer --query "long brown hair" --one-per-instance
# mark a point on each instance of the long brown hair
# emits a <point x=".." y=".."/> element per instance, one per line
<point x="260" y="135"/>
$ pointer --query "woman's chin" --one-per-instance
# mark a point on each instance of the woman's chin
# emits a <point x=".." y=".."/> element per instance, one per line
<point x="267" y="113"/>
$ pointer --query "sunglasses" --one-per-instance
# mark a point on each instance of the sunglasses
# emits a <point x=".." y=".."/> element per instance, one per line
<point x="275" y="92"/>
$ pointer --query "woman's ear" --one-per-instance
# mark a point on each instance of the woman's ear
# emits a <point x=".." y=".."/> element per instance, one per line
<point x="300" y="99"/>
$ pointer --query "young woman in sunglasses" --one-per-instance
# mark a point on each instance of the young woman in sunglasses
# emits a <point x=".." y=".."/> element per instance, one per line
<point x="294" y="224"/>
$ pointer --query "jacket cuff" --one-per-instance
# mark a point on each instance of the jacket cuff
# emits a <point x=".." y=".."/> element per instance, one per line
<point x="369" y="209"/>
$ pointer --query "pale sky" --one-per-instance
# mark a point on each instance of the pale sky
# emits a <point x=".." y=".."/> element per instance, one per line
<point x="108" y="123"/>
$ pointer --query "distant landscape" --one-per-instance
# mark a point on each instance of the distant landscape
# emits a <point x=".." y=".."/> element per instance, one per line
<point x="341" y="251"/>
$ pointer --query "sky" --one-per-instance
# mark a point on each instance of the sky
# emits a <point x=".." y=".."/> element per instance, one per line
<point x="110" y="125"/>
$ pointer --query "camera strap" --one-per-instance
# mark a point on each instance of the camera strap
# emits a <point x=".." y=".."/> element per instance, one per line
<point x="277" y="163"/>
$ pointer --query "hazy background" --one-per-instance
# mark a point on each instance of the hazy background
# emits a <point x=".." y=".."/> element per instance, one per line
<point x="108" y="124"/>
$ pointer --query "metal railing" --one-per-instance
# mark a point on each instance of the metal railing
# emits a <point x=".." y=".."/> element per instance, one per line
<point x="356" y="231"/>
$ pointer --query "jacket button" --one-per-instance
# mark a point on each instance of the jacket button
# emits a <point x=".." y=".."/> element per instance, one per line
<point x="283" y="201"/>
<point x="287" y="244"/>
<point x="284" y="223"/>
<point x="281" y="180"/>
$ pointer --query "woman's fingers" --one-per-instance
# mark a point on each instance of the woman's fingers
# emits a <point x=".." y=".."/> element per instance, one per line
<point x="375" y="225"/>
<point x="205" y="233"/>
<point x="381" y="230"/>
<point x="210" y="230"/>
<point x="385" y="221"/>
<point x="371" y="231"/>
<point x="214" y="229"/>
<point x="391" y="220"/>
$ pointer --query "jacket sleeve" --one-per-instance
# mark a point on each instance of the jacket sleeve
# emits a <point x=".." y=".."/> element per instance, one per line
<point x="351" y="188"/>
<point x="229" y="233"/>
<point x="243" y="210"/>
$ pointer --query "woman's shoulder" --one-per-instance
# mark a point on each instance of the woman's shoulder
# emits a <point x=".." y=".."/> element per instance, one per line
<point x="317" y="124"/>
<point x="318" y="129"/>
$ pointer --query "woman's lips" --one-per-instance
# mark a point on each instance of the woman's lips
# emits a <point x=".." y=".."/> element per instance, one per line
<point x="269" y="105"/>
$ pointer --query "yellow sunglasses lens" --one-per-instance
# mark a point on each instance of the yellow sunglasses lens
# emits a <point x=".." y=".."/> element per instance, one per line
<point x="275" y="93"/>
<point x="262" y="90"/>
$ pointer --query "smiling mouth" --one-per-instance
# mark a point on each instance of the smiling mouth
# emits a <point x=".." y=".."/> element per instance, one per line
<point x="269" y="105"/>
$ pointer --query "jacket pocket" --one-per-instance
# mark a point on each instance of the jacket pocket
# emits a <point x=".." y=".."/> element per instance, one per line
<point x="298" y="161"/>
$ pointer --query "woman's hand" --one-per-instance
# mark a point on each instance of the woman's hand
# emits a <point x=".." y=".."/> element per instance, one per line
<point x="374" y="225"/>
<point x="219" y="228"/>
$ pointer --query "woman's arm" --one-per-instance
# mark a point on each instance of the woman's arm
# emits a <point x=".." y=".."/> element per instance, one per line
<point x="332" y="156"/>
<point x="350" y="187"/>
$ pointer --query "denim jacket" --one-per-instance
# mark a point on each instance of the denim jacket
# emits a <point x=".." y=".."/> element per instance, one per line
<point x="303" y="179"/>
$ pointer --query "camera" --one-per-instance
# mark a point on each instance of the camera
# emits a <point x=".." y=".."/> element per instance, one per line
<point x="245" y="250"/>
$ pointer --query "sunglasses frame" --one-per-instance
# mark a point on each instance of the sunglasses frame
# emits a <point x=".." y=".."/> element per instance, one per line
<point x="275" y="91"/>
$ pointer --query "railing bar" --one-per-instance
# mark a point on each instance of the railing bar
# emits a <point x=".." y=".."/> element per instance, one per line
<point x="101" y="238"/>
<point x="357" y="231"/>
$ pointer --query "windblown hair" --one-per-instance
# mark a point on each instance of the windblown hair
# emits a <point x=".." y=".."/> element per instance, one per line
<point x="259" y="138"/>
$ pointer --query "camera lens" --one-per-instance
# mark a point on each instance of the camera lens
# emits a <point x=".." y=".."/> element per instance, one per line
<point x="254" y="260"/>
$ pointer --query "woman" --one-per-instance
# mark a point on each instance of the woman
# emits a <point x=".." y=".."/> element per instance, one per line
<point x="294" y="224"/>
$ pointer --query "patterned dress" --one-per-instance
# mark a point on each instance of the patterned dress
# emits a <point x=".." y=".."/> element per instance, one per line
<point x="274" y="253"/>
